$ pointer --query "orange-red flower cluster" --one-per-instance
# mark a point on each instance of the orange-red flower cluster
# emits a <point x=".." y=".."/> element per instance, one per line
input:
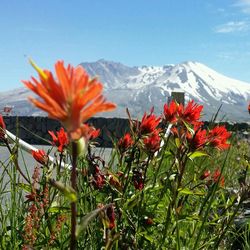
<point x="218" y="137"/>
<point x="148" y="131"/>
<point x="170" y="112"/>
<point x="152" y="142"/>
<point x="175" y="112"/>
<point x="191" y="113"/>
<point x="149" y="123"/>
<point x="72" y="97"/>
<point x="198" y="140"/>
<point x="90" y="132"/>
<point x="196" y="137"/>
<point x="60" y="140"/>
<point x="125" y="142"/>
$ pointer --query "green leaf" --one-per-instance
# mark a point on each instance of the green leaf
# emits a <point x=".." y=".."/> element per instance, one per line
<point x="25" y="187"/>
<point x="153" y="188"/>
<point x="190" y="192"/>
<point x="177" y="142"/>
<point x="189" y="128"/>
<point x="132" y="201"/>
<point x="196" y="154"/>
<point x="146" y="236"/>
<point x="167" y="154"/>
<point x="67" y="191"/>
<point x="59" y="209"/>
<point x="88" y="218"/>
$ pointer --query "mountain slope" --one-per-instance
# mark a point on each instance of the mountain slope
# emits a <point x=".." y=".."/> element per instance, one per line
<point x="140" y="88"/>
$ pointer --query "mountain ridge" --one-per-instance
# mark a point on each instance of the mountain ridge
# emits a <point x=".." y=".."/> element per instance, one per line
<point x="141" y="87"/>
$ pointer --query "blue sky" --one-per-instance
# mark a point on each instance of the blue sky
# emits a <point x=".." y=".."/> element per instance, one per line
<point x="133" y="32"/>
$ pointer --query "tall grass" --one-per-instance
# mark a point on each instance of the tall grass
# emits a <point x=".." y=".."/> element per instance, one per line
<point x="138" y="199"/>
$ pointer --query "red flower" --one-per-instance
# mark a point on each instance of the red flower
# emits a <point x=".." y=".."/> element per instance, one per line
<point x="149" y="123"/>
<point x="138" y="179"/>
<point x="98" y="178"/>
<point x="111" y="216"/>
<point x="170" y="112"/>
<point x="191" y="113"/>
<point x="205" y="175"/>
<point x="92" y="132"/>
<point x="99" y="181"/>
<point x="174" y="131"/>
<point x="198" y="140"/>
<point x="218" y="136"/>
<point x="61" y="140"/>
<point x="31" y="197"/>
<point x="216" y="176"/>
<point x="2" y="127"/>
<point x="40" y="156"/>
<point x="125" y="142"/>
<point x="71" y="97"/>
<point x="152" y="142"/>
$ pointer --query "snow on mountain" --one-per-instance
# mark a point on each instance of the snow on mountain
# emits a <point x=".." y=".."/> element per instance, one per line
<point x="140" y="88"/>
<point x="202" y="83"/>
<point x="192" y="76"/>
<point x="145" y="76"/>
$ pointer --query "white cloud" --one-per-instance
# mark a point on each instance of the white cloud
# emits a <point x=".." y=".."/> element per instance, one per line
<point x="230" y="27"/>
<point x="244" y="5"/>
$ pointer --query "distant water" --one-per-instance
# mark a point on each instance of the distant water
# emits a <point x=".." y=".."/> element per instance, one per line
<point x="25" y="160"/>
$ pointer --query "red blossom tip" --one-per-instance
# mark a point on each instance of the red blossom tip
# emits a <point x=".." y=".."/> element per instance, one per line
<point x="40" y="156"/>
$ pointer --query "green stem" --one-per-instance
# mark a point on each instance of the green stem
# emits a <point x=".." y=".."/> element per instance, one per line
<point x="211" y="197"/>
<point x="161" y="160"/>
<point x="172" y="204"/>
<point x="16" y="161"/>
<point x="73" y="242"/>
<point x="182" y="169"/>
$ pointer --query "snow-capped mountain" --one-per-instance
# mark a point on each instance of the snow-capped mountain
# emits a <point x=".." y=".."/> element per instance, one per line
<point x="140" y="88"/>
